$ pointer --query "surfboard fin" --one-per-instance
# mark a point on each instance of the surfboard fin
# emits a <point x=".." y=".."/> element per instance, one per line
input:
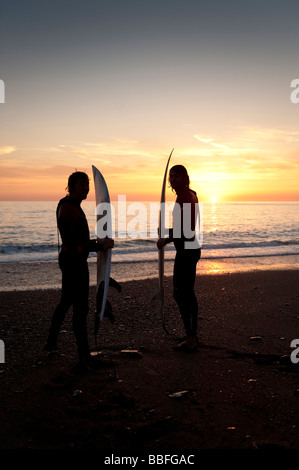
<point x="108" y="312"/>
<point x="115" y="284"/>
<point x="108" y="307"/>
<point x="96" y="324"/>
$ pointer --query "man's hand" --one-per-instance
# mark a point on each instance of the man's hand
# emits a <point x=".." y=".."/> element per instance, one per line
<point x="106" y="243"/>
<point x="160" y="243"/>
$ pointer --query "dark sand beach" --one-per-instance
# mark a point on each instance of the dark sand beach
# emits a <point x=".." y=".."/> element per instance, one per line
<point x="240" y="389"/>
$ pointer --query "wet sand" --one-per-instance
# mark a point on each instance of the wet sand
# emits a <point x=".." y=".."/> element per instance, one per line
<point x="33" y="275"/>
<point x="240" y="389"/>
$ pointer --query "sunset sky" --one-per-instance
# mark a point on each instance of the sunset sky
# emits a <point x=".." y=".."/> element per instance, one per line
<point x="119" y="83"/>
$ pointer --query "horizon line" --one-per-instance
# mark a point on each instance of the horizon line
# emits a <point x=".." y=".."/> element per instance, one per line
<point x="156" y="200"/>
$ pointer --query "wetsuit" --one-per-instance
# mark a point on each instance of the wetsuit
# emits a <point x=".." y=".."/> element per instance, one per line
<point x="76" y="245"/>
<point x="186" y="258"/>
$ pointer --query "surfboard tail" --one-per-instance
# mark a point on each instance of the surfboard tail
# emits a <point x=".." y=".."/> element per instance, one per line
<point x="108" y="307"/>
<point x="96" y="324"/>
<point x="115" y="284"/>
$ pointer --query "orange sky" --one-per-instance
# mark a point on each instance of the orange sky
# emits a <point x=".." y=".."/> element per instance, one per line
<point x="251" y="164"/>
<point x="95" y="86"/>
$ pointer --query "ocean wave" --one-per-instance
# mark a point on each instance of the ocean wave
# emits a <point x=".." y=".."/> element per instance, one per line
<point x="146" y="250"/>
<point x="17" y="249"/>
<point x="251" y="244"/>
<point x="143" y="245"/>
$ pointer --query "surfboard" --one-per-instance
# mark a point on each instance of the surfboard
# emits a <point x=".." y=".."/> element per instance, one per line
<point x="162" y="234"/>
<point x="103" y="306"/>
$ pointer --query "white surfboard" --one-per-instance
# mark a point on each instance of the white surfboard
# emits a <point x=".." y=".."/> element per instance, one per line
<point x="103" y="257"/>
<point x="162" y="234"/>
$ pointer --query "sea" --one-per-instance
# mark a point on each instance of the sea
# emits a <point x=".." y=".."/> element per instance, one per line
<point x="235" y="236"/>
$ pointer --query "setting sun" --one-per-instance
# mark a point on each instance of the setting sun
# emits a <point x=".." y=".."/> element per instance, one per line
<point x="213" y="199"/>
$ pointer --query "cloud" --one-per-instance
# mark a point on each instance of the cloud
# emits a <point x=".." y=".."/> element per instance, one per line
<point x="118" y="156"/>
<point x="266" y="134"/>
<point x="6" y="150"/>
<point x="264" y="144"/>
<point x="210" y="141"/>
<point x="220" y="146"/>
<point x="202" y="139"/>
